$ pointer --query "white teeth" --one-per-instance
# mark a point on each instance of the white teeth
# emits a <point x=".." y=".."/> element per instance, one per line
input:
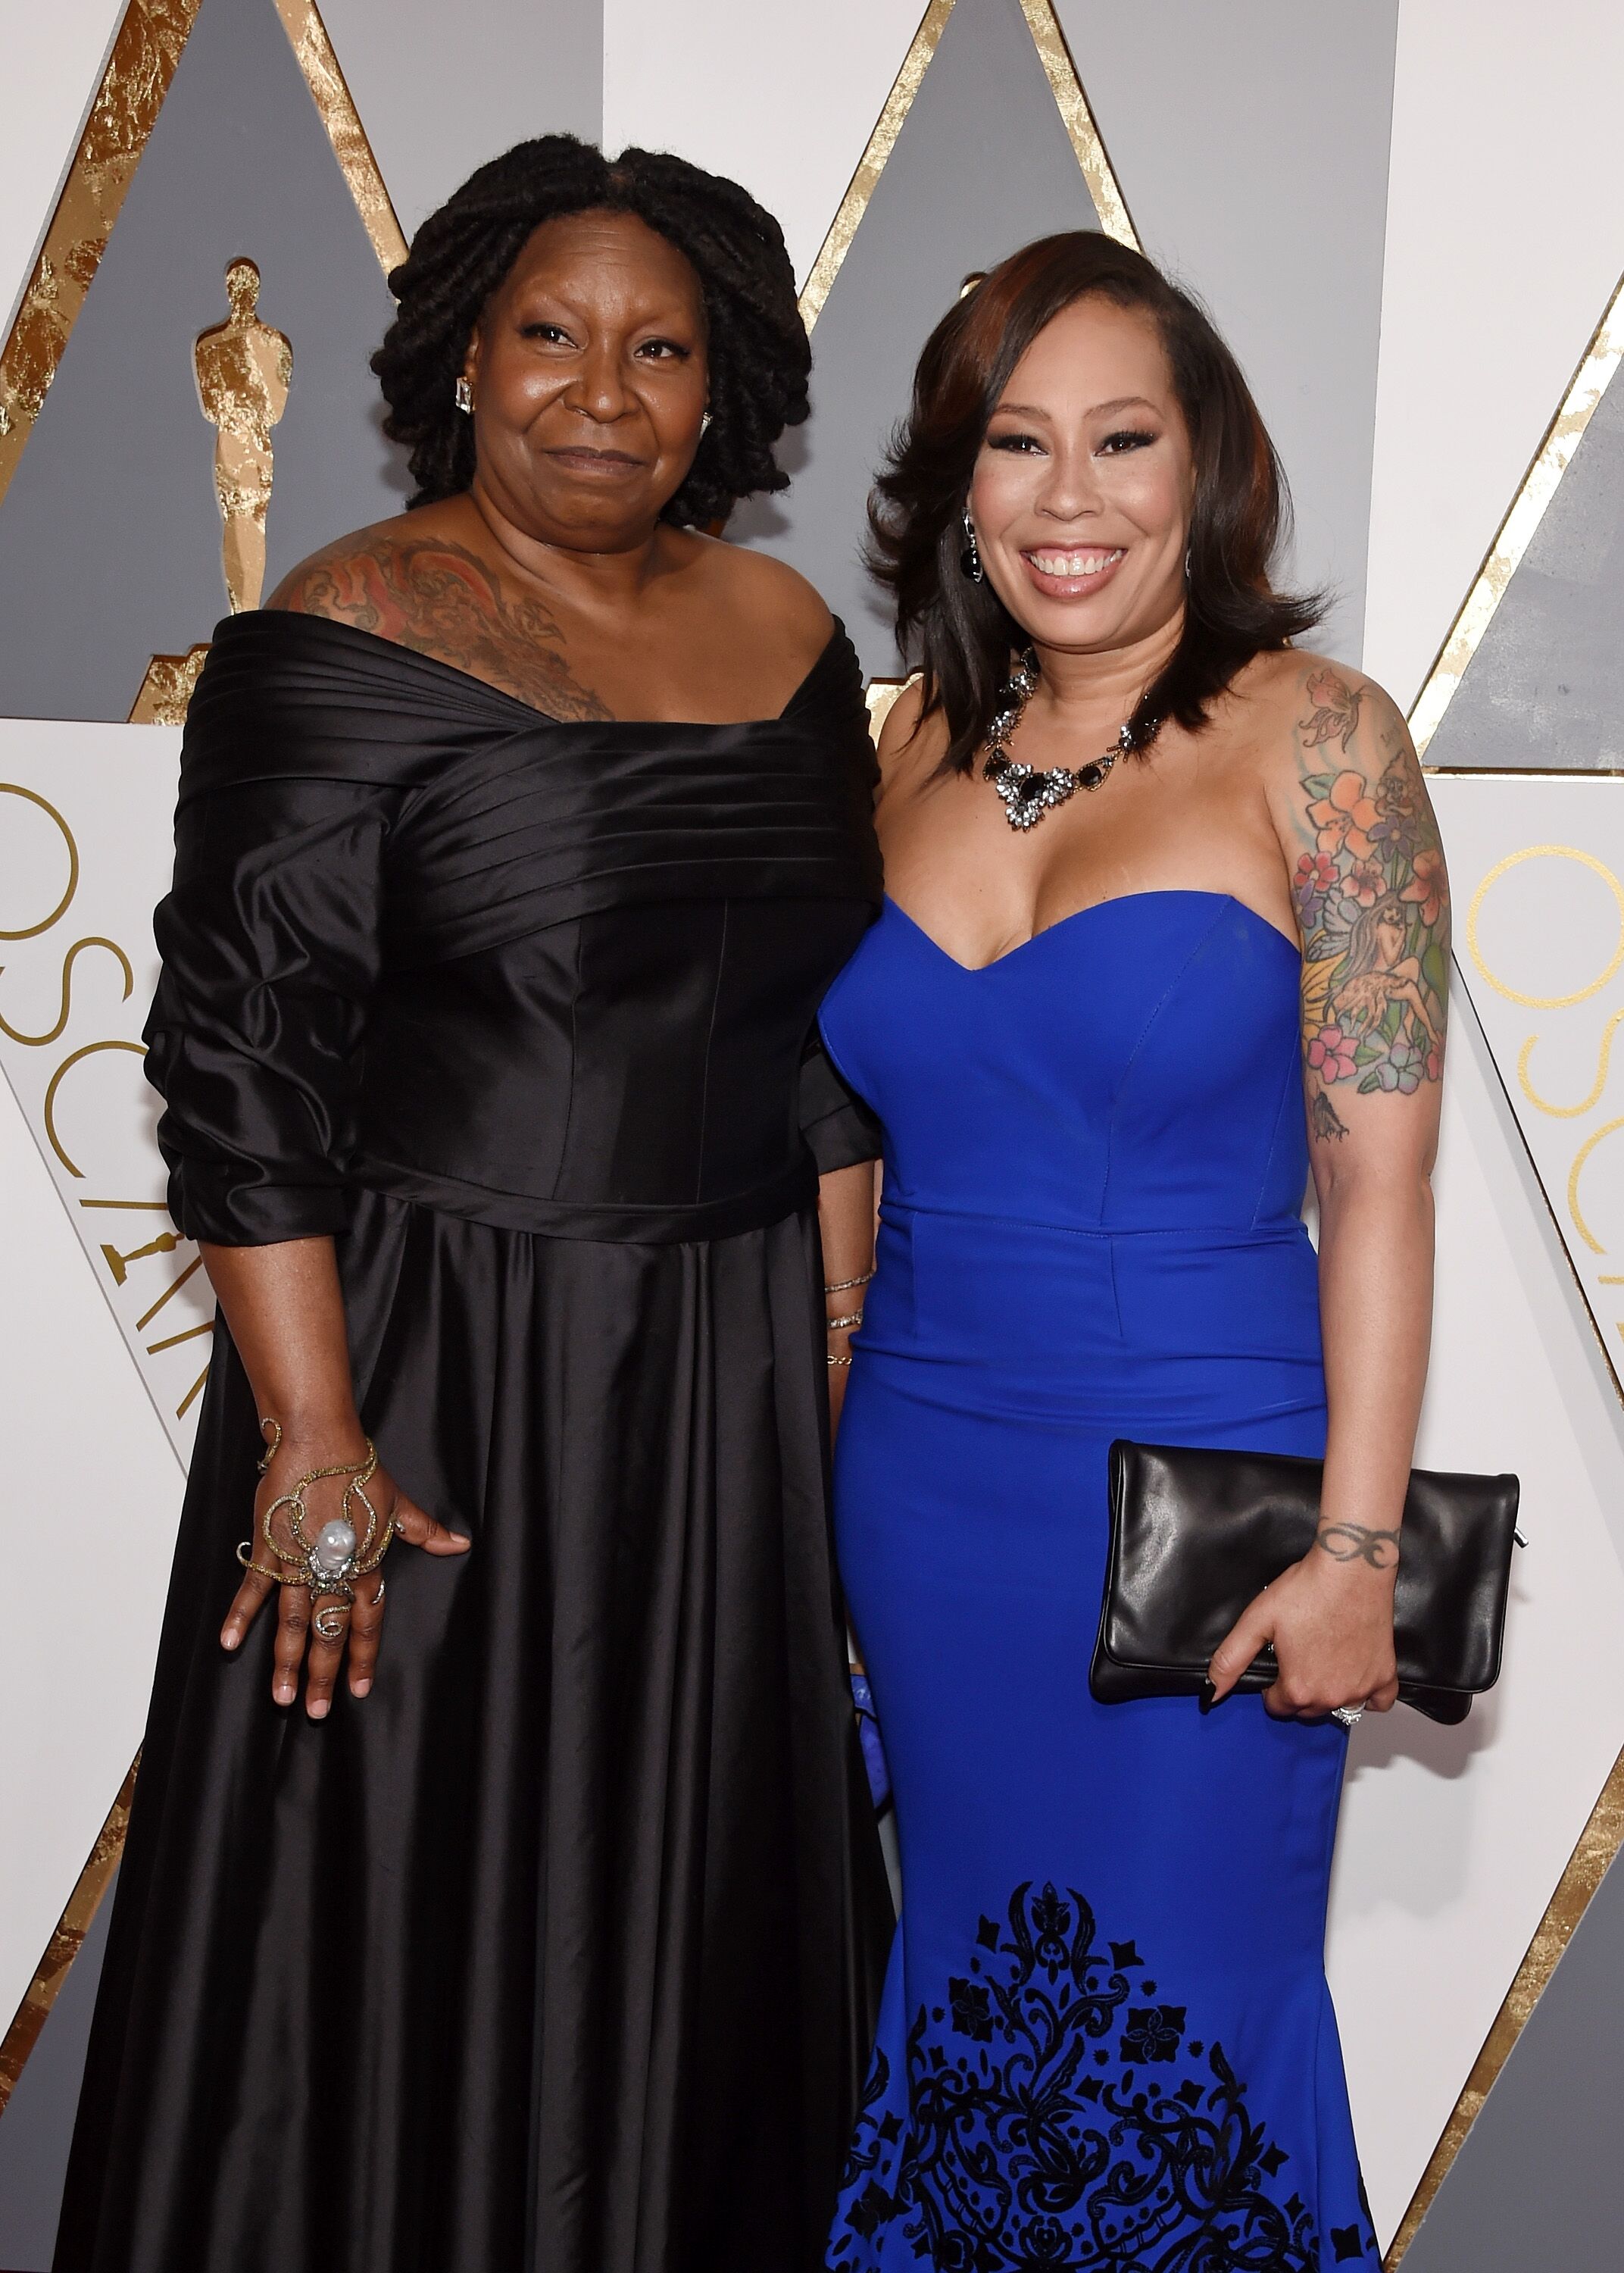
<point x="1075" y="563"/>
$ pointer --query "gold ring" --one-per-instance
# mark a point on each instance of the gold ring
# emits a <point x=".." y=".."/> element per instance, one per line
<point x="332" y="1624"/>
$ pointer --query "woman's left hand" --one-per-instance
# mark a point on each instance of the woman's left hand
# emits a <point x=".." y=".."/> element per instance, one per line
<point x="1330" y="1622"/>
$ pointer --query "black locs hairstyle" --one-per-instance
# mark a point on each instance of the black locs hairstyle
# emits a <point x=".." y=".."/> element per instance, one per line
<point x="757" y="349"/>
<point x="960" y="632"/>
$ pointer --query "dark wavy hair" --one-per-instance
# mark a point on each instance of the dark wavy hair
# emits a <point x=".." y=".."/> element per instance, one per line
<point x="758" y="351"/>
<point x="959" y="633"/>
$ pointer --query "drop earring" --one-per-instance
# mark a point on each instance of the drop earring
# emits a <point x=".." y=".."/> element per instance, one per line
<point x="463" y="394"/>
<point x="969" y="559"/>
<point x="704" y="425"/>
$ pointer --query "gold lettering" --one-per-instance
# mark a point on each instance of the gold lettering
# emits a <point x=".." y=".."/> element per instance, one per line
<point x="1503" y="867"/>
<point x="1579" y="1158"/>
<point x="38" y="1041"/>
<point x="1570" y="1112"/>
<point x="33" y="931"/>
<point x="173" y="1288"/>
<point x="90" y="1050"/>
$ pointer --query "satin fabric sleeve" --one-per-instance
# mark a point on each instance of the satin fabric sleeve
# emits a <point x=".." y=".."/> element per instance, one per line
<point x="269" y="941"/>
<point x="838" y="1127"/>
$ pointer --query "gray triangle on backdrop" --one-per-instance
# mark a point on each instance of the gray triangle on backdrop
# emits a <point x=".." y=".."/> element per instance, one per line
<point x="1545" y="686"/>
<point x="969" y="180"/>
<point x="110" y="533"/>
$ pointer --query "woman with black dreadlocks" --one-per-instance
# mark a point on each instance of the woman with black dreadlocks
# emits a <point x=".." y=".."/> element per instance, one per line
<point x="518" y="839"/>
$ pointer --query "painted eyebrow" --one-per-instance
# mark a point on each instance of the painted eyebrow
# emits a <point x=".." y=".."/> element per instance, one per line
<point x="1095" y="409"/>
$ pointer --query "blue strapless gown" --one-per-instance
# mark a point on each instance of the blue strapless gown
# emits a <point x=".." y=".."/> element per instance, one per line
<point x="1107" y="2040"/>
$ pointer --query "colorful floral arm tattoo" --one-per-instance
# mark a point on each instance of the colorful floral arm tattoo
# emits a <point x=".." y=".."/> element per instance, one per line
<point x="1371" y="898"/>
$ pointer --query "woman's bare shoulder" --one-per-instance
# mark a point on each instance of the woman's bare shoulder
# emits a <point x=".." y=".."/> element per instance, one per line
<point x="1301" y="714"/>
<point x="910" y="743"/>
<point x="1331" y="752"/>
<point x="353" y="579"/>
<point x="771" y="601"/>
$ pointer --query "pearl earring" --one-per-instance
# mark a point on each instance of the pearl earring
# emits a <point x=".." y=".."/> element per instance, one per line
<point x="464" y="395"/>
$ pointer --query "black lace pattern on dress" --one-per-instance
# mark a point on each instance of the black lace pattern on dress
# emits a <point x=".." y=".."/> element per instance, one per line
<point x="1068" y="2124"/>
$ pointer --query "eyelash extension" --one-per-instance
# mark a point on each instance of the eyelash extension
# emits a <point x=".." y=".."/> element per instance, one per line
<point x="1135" y="436"/>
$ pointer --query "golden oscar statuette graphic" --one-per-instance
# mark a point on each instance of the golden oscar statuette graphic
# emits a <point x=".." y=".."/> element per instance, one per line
<point x="245" y="370"/>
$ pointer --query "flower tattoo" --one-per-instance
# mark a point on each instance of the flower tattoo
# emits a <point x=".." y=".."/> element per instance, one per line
<point x="1336" y="712"/>
<point x="1372" y="900"/>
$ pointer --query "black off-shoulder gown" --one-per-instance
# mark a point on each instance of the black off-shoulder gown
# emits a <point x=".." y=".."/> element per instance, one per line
<point x="559" y="1953"/>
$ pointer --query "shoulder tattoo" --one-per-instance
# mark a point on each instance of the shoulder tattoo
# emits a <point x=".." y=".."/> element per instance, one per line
<point x="440" y="599"/>
<point x="1372" y="900"/>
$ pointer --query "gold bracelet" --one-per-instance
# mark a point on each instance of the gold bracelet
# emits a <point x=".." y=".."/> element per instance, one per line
<point x="838" y="1360"/>
<point x="839" y="1325"/>
<point x="845" y="1286"/>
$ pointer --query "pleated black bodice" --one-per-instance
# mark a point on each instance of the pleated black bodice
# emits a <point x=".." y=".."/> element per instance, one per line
<point x="550" y="976"/>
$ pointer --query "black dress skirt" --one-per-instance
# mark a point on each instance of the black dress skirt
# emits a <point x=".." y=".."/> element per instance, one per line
<point x="557" y="1954"/>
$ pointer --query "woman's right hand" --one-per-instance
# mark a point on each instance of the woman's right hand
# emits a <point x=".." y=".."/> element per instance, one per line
<point x="296" y="1454"/>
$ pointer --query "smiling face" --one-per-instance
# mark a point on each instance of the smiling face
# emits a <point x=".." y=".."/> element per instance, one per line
<point x="1082" y="490"/>
<point x="589" y="379"/>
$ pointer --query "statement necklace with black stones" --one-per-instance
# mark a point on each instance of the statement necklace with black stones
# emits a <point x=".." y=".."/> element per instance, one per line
<point x="1029" y="792"/>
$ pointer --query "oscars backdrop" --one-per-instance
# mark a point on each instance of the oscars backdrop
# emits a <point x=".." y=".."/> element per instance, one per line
<point x="212" y="193"/>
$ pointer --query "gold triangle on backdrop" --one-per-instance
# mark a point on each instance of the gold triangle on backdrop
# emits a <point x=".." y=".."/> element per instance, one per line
<point x="145" y="52"/>
<point x="1524" y="515"/>
<point x="66" y="1944"/>
<point x="1071" y="102"/>
<point x="143" y="61"/>
<point x="166" y="689"/>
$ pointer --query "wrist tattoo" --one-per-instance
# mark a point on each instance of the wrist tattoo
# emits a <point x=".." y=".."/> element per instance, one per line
<point x="1356" y="1542"/>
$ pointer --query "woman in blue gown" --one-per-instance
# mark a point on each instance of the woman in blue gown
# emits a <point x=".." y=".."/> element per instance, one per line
<point x="1150" y="952"/>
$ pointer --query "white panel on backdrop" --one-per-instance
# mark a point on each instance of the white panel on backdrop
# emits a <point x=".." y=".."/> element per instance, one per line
<point x="1452" y="1839"/>
<point x="85" y="850"/>
<point x="1537" y="868"/>
<point x="94" y="1452"/>
<point x="784" y="100"/>
<point x="54" y="61"/>
<point x="1505" y="237"/>
<point x="87" y="1515"/>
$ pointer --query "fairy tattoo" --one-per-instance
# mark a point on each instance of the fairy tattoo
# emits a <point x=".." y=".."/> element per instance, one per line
<point x="1372" y="902"/>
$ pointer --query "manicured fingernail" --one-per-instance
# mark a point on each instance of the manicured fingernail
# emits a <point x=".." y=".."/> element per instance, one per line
<point x="228" y="1639"/>
<point x="359" y="1688"/>
<point x="1208" y="1697"/>
<point x="317" y="1709"/>
<point x="283" y="1692"/>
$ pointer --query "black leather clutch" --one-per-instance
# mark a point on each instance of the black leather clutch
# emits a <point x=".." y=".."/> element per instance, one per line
<point x="1194" y="1535"/>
